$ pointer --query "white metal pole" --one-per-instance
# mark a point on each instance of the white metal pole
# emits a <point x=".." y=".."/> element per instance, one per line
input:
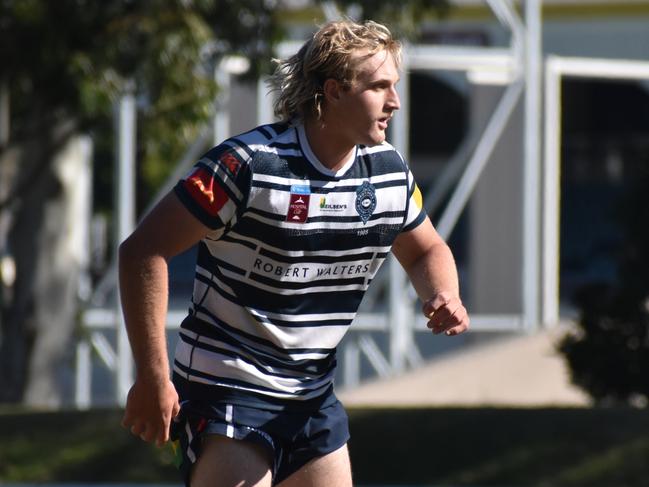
<point x="400" y="330"/>
<point x="83" y="380"/>
<point x="222" y="112"/>
<point x="507" y="16"/>
<point x="351" y="364"/>
<point x="531" y="168"/>
<point x="483" y="151"/>
<point x="551" y="194"/>
<point x="264" y="103"/>
<point x="126" y="115"/>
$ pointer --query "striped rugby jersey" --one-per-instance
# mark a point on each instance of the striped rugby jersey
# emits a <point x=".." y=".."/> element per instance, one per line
<point x="292" y="249"/>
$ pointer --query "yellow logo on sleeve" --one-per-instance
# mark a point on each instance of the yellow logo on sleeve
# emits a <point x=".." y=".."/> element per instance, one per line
<point x="419" y="200"/>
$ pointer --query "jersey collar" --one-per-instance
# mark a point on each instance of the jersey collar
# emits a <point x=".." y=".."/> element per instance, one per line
<point x="315" y="162"/>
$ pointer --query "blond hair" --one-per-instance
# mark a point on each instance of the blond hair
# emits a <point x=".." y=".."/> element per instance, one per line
<point x="329" y="53"/>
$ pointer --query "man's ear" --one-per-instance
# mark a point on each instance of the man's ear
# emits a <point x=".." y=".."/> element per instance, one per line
<point x="331" y="89"/>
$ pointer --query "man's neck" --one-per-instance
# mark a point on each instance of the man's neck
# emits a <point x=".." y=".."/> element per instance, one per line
<point x="331" y="150"/>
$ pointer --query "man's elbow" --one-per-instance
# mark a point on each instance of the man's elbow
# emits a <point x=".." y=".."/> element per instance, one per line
<point x="132" y="252"/>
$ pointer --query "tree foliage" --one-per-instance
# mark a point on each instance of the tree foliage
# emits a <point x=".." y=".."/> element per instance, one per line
<point x="73" y="58"/>
<point x="609" y="354"/>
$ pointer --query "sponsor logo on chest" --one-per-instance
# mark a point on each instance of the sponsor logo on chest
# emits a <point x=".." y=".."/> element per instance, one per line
<point x="326" y="205"/>
<point x="298" y="206"/>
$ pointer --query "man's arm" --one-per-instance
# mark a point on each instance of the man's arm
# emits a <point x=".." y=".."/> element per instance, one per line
<point x="166" y="231"/>
<point x="429" y="263"/>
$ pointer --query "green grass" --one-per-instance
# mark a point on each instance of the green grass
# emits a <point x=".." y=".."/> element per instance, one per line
<point x="77" y="447"/>
<point x="517" y="447"/>
<point x="460" y="447"/>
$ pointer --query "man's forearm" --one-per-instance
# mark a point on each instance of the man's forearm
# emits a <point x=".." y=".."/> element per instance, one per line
<point x="143" y="290"/>
<point x="434" y="272"/>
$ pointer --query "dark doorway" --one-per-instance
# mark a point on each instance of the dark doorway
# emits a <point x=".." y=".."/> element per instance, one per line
<point x="605" y="142"/>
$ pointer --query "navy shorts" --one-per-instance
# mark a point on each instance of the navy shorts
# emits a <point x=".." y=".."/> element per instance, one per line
<point x="291" y="437"/>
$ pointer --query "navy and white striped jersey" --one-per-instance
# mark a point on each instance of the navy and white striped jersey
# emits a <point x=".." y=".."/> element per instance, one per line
<point x="292" y="249"/>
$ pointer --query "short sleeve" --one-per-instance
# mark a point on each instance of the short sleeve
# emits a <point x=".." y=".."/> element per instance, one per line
<point x="216" y="187"/>
<point x="415" y="209"/>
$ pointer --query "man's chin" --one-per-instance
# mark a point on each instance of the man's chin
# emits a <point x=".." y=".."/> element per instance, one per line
<point x="375" y="140"/>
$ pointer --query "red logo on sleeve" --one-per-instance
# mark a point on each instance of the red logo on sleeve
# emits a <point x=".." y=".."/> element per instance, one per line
<point x="208" y="194"/>
<point x="231" y="162"/>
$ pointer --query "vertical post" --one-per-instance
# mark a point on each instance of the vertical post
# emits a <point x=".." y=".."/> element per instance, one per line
<point x="551" y="193"/>
<point x="531" y="169"/>
<point x="125" y="204"/>
<point x="82" y="376"/>
<point x="400" y="327"/>
<point x="222" y="115"/>
<point x="264" y="103"/>
<point x="352" y="364"/>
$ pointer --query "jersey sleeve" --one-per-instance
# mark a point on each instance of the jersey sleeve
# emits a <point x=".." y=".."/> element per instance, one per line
<point x="415" y="213"/>
<point x="216" y="187"/>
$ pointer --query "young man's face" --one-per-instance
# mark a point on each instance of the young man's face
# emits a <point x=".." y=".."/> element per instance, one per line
<point x="365" y="109"/>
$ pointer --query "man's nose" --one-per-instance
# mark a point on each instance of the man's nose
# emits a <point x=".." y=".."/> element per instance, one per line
<point x="393" y="100"/>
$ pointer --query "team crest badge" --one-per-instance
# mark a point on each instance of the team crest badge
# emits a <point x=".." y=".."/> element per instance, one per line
<point x="365" y="201"/>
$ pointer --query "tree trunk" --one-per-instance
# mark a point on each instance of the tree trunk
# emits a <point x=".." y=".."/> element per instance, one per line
<point x="50" y="254"/>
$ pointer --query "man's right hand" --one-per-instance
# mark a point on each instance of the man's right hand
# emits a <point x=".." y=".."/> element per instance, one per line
<point x="151" y="405"/>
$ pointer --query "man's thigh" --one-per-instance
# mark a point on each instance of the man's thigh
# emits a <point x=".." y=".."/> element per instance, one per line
<point x="329" y="470"/>
<point x="225" y="462"/>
